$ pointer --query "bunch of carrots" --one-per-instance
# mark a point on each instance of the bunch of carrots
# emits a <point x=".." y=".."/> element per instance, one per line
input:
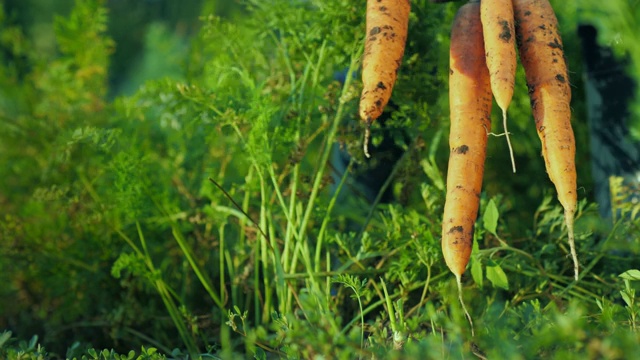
<point x="482" y="62"/>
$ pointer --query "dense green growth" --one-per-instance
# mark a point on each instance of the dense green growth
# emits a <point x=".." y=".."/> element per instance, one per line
<point x="201" y="214"/>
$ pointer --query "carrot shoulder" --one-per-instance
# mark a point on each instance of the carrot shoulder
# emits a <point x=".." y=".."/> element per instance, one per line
<point x="500" y="51"/>
<point x="470" y="106"/>
<point x="542" y="56"/>
<point x="387" y="26"/>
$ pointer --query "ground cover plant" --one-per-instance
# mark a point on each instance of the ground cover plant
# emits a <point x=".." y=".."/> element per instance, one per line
<point x="204" y="214"/>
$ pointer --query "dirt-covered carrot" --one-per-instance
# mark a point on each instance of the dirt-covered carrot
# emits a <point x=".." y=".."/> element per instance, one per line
<point x="542" y="56"/>
<point x="500" y="50"/>
<point x="387" y="26"/>
<point x="470" y="107"/>
<point x="470" y="110"/>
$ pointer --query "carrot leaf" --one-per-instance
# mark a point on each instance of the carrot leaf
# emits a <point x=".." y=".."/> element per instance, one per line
<point x="496" y="275"/>
<point x="633" y="275"/>
<point x="490" y="217"/>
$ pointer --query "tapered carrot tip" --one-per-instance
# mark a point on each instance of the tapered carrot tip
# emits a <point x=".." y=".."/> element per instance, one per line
<point x="500" y="53"/>
<point x="387" y="25"/>
<point x="470" y="118"/>
<point x="542" y="57"/>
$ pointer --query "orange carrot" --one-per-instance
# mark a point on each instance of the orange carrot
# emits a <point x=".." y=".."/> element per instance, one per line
<point x="387" y="26"/>
<point x="499" y="43"/>
<point x="470" y="107"/>
<point x="542" y="56"/>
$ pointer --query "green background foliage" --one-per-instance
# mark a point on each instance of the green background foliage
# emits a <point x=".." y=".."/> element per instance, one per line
<point x="167" y="185"/>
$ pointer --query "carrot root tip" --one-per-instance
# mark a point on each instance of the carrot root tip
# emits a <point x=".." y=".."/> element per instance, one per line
<point x="506" y="131"/>
<point x="464" y="308"/>
<point x="569" y="216"/>
<point x="367" y="137"/>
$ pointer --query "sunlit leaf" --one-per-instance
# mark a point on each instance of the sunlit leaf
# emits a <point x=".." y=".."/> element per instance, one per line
<point x="627" y="299"/>
<point x="496" y="275"/>
<point x="632" y="275"/>
<point x="476" y="272"/>
<point x="4" y="337"/>
<point x="490" y="217"/>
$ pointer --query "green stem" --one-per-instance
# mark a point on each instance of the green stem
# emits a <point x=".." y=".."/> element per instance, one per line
<point x="390" y="312"/>
<point x="188" y="253"/>
<point x="221" y="263"/>
<point x="327" y="217"/>
<point x="373" y="306"/>
<point x="327" y="147"/>
<point x="264" y="252"/>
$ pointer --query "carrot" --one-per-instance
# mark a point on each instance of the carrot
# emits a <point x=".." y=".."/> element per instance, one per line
<point x="387" y="27"/>
<point x="470" y="107"/>
<point x="499" y="44"/>
<point x="542" y="56"/>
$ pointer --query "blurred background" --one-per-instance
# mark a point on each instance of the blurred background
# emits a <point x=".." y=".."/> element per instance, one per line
<point x="151" y="40"/>
<point x="151" y="36"/>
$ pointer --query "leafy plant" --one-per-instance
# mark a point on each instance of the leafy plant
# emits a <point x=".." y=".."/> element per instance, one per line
<point x="203" y="215"/>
